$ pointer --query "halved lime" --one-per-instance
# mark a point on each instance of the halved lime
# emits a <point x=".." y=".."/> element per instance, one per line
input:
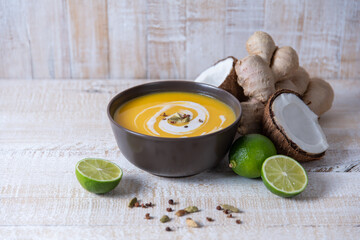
<point x="98" y="175"/>
<point x="284" y="176"/>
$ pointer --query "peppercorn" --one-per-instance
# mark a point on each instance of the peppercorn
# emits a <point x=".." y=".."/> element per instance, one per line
<point x="209" y="219"/>
<point x="171" y="202"/>
<point x="168" y="229"/>
<point x="169" y="209"/>
<point x="218" y="208"/>
<point x="147" y="216"/>
<point x="238" y="221"/>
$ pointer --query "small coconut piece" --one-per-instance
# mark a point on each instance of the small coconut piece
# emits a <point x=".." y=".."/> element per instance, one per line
<point x="293" y="127"/>
<point x="284" y="62"/>
<point x="297" y="82"/>
<point x="222" y="74"/>
<point x="251" y="117"/>
<point x="319" y="96"/>
<point x="262" y="44"/>
<point x="255" y="77"/>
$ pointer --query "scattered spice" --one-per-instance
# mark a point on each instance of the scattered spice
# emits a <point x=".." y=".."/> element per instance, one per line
<point x="137" y="204"/>
<point x="149" y="204"/>
<point x="191" y="223"/>
<point x="230" y="216"/>
<point x="164" y="118"/>
<point x="226" y="211"/>
<point x="147" y="216"/>
<point x="132" y="202"/>
<point x="238" y="221"/>
<point x="201" y="120"/>
<point x="209" y="219"/>
<point x="168" y="229"/>
<point x="186" y="126"/>
<point x="164" y="114"/>
<point x="230" y="208"/>
<point x="169" y="209"/>
<point x="171" y="202"/>
<point x="191" y="209"/>
<point x="172" y="122"/>
<point x="164" y="219"/>
<point x="180" y="213"/>
<point x="143" y="206"/>
<point x="218" y="208"/>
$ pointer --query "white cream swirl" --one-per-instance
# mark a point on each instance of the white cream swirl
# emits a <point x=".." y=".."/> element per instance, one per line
<point x="195" y="123"/>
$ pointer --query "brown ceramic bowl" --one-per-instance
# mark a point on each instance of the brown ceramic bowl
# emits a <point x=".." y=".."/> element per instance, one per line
<point x="174" y="157"/>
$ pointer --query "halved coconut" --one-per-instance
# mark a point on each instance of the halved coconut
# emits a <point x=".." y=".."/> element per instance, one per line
<point x="222" y="74"/>
<point x="293" y="127"/>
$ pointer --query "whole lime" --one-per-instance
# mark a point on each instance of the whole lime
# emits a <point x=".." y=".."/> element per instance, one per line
<point x="248" y="153"/>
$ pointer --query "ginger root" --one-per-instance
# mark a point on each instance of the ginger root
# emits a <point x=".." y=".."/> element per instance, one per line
<point x="284" y="62"/>
<point x="255" y="77"/>
<point x="251" y="117"/>
<point x="319" y="96"/>
<point x="297" y="82"/>
<point x="261" y="44"/>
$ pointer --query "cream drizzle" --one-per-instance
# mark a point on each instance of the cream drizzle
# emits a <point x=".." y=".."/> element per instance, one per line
<point x="165" y="126"/>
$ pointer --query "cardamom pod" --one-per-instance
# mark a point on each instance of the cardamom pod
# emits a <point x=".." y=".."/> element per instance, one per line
<point x="164" y="219"/>
<point x="180" y="213"/>
<point x="230" y="208"/>
<point x="191" y="209"/>
<point x="191" y="223"/>
<point x="132" y="202"/>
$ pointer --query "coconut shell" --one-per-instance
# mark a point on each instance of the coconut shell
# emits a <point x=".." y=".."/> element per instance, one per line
<point x="277" y="134"/>
<point x="230" y="83"/>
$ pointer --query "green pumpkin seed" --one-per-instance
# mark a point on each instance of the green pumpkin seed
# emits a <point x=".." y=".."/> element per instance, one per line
<point x="164" y="219"/>
<point x="191" y="209"/>
<point x="132" y="202"/>
<point x="230" y="208"/>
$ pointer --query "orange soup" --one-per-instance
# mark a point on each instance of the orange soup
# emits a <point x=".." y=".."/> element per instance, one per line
<point x="174" y="114"/>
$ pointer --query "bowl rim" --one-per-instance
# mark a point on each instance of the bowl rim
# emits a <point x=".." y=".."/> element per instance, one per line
<point x="236" y="122"/>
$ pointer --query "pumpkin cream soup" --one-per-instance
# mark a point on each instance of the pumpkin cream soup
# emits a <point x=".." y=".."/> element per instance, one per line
<point x="174" y="114"/>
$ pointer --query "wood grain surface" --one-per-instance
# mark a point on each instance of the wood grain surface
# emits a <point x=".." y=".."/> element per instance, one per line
<point x="170" y="39"/>
<point x="47" y="126"/>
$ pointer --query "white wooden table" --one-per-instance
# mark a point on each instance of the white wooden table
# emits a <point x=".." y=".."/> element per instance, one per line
<point x="46" y="126"/>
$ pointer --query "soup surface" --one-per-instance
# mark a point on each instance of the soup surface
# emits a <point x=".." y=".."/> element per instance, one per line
<point x="174" y="114"/>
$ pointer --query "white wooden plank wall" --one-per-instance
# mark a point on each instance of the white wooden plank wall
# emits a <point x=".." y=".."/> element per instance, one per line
<point x="170" y="39"/>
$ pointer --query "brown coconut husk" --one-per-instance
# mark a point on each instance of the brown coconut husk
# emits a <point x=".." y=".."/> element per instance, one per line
<point x="230" y="83"/>
<point x="277" y="134"/>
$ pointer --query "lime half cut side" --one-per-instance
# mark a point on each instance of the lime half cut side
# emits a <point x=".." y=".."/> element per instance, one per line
<point x="284" y="176"/>
<point x="98" y="175"/>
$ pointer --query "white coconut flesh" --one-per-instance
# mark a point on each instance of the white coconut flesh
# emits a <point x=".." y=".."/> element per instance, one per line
<point x="216" y="74"/>
<point x="299" y="123"/>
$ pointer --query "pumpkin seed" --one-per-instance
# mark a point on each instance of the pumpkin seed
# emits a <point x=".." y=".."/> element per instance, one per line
<point x="164" y="219"/>
<point x="191" y="209"/>
<point x="132" y="202"/>
<point x="230" y="208"/>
